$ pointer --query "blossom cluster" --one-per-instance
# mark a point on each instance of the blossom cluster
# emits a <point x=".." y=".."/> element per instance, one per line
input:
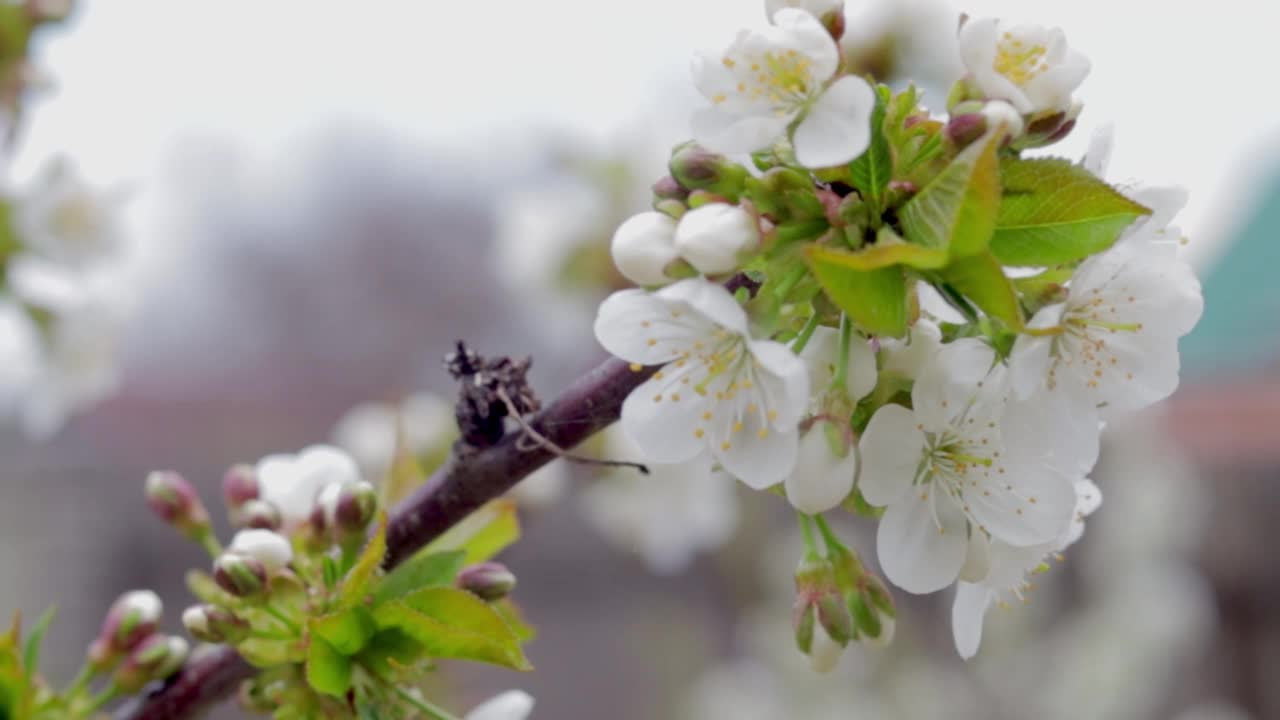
<point x="300" y="594"/>
<point x="930" y="325"/>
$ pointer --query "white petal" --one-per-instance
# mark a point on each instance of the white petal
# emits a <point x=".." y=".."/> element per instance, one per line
<point x="510" y="705"/>
<point x="820" y="480"/>
<point x="892" y="448"/>
<point x="627" y="320"/>
<point x="977" y="559"/>
<point x="1030" y="360"/>
<point x="820" y="357"/>
<point x="915" y="553"/>
<point x="784" y="381"/>
<point x="967" y="614"/>
<point x="267" y="547"/>
<point x="1028" y="504"/>
<point x="724" y="132"/>
<point x="664" y="429"/>
<point x="950" y="382"/>
<point x="908" y="358"/>
<point x="1101" y="143"/>
<point x="824" y="653"/>
<point x="801" y="31"/>
<point x="1061" y="426"/>
<point x="759" y="462"/>
<point x="709" y="300"/>
<point x="837" y="128"/>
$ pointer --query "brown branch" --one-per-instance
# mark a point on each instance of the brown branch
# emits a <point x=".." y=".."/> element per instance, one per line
<point x="452" y="493"/>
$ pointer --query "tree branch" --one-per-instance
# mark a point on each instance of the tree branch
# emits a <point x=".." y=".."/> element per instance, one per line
<point x="452" y="493"/>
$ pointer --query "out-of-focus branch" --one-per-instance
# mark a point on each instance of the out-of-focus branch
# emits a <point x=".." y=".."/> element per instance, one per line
<point x="461" y="486"/>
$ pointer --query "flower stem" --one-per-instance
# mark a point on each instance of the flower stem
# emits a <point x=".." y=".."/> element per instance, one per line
<point x="81" y="683"/>
<point x="289" y="624"/>
<point x="109" y="693"/>
<point x="798" y="345"/>
<point x="210" y="543"/>
<point x="828" y="536"/>
<point x="842" y="357"/>
<point x="806" y="529"/>
<point x="790" y="281"/>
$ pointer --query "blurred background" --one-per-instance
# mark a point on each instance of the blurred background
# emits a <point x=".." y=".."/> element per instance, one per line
<point x="320" y="197"/>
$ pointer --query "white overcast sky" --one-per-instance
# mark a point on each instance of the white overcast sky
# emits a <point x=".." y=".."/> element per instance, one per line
<point x="1190" y="86"/>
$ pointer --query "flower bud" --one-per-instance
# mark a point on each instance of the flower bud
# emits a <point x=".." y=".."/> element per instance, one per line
<point x="269" y="548"/>
<point x="644" y="246"/>
<point x="176" y="502"/>
<point x="696" y="168"/>
<point x="715" y="237"/>
<point x="133" y="618"/>
<point x="668" y="189"/>
<point x="1047" y="128"/>
<point x="209" y="623"/>
<point x="240" y="485"/>
<point x="241" y="576"/>
<point x="824" y="654"/>
<point x="489" y="580"/>
<point x="826" y="467"/>
<point x="962" y="130"/>
<point x="157" y="658"/>
<point x="819" y="602"/>
<point x="259" y="515"/>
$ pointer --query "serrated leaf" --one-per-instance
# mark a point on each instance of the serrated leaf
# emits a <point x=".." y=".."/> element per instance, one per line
<point x="391" y="650"/>
<point x="1056" y="212"/>
<point x="485" y="533"/>
<point x="31" y="652"/>
<point x="444" y="641"/>
<point x="981" y="278"/>
<point x="422" y="570"/>
<point x="356" y="583"/>
<point x="876" y="300"/>
<point x="957" y="211"/>
<point x="888" y="250"/>
<point x="348" y="631"/>
<point x="511" y="613"/>
<point x="872" y="170"/>
<point x="328" y="671"/>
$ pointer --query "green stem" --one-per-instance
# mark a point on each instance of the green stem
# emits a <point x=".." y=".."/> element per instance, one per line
<point x="842" y="358"/>
<point x="833" y="543"/>
<point x="797" y="345"/>
<point x="210" y="543"/>
<point x="789" y="282"/>
<point x="806" y="529"/>
<point x="81" y="683"/>
<point x="109" y="693"/>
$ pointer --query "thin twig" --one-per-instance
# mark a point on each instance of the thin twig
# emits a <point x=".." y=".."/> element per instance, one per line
<point x="540" y="440"/>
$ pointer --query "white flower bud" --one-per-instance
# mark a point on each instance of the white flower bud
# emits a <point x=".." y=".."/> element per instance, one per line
<point x="825" y="653"/>
<point x="714" y="237"/>
<point x="196" y="621"/>
<point x="144" y="604"/>
<point x="817" y="8"/>
<point x="999" y="112"/>
<point x="269" y="548"/>
<point x="820" y="480"/>
<point x="644" y="246"/>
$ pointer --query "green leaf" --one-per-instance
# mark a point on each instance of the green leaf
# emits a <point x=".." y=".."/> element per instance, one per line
<point x="328" y="671"/>
<point x="31" y="653"/>
<point x="356" y="583"/>
<point x="453" y="623"/>
<point x="422" y="570"/>
<point x="889" y="249"/>
<point x="872" y="170"/>
<point x="876" y="300"/>
<point x="511" y="613"/>
<point x="957" y="211"/>
<point x="485" y="533"/>
<point x="1056" y="212"/>
<point x="981" y="278"/>
<point x="348" y="631"/>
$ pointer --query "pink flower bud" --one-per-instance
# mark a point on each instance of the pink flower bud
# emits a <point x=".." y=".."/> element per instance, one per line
<point x="132" y="619"/>
<point x="176" y="502"/>
<point x="155" y="659"/>
<point x="241" y="576"/>
<point x="489" y="580"/>
<point x="209" y="623"/>
<point x="259" y="515"/>
<point x="239" y="486"/>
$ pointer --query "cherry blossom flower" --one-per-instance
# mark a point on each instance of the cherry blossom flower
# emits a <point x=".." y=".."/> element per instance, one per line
<point x="1029" y="66"/>
<point x="510" y="705"/>
<point x="778" y="82"/>
<point x="945" y="472"/>
<point x="719" y="388"/>
<point x="293" y="482"/>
